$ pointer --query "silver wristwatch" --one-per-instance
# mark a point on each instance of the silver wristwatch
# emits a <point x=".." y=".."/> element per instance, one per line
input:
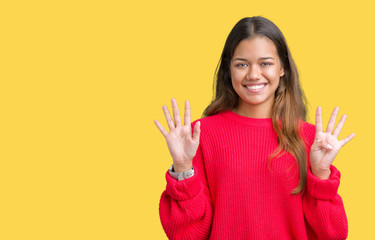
<point x="182" y="175"/>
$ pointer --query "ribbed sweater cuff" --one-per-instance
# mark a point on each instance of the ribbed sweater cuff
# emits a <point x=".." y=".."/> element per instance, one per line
<point x="185" y="189"/>
<point x="323" y="189"/>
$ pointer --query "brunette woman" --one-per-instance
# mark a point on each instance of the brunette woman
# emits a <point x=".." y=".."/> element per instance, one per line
<point x="252" y="168"/>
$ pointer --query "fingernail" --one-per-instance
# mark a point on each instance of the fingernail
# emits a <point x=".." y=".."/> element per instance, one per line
<point x="329" y="146"/>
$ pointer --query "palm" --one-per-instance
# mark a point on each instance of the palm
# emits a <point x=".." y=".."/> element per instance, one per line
<point x="326" y="145"/>
<point x="182" y="144"/>
<point x="321" y="157"/>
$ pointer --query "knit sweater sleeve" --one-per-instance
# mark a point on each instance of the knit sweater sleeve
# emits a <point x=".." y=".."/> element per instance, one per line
<point x="185" y="207"/>
<point x="323" y="207"/>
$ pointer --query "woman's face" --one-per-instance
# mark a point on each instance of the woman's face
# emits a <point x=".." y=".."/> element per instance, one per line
<point x="255" y="71"/>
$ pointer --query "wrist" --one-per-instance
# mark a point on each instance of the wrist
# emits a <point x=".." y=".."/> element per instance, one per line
<point x="182" y="166"/>
<point x="179" y="168"/>
<point x="321" y="174"/>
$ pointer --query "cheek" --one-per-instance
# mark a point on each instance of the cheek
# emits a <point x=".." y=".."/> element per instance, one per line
<point x="272" y="74"/>
<point x="237" y="76"/>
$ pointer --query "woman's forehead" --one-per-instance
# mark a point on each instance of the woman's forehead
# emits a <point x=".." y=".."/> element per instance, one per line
<point x="257" y="47"/>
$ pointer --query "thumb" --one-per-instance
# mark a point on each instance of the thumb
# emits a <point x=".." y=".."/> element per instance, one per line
<point x="322" y="144"/>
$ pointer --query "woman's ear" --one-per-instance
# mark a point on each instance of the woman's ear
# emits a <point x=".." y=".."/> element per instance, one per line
<point x="282" y="71"/>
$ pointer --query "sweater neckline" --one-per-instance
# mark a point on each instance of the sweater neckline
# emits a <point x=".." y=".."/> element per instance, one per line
<point x="256" y="122"/>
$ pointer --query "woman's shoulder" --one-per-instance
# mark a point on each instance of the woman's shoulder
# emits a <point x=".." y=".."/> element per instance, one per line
<point x="308" y="131"/>
<point x="209" y="120"/>
<point x="306" y="126"/>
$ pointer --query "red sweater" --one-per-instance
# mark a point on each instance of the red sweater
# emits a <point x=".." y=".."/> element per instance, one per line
<point x="235" y="195"/>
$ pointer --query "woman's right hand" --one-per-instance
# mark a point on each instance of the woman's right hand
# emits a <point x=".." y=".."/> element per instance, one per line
<point x="182" y="144"/>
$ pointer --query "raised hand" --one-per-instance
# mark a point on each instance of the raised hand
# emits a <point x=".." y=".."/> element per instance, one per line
<point x="326" y="145"/>
<point x="181" y="143"/>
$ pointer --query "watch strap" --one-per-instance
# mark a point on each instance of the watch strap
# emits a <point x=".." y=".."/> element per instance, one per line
<point x="182" y="175"/>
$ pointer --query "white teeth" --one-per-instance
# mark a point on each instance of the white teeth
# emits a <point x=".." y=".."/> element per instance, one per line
<point x="255" y="87"/>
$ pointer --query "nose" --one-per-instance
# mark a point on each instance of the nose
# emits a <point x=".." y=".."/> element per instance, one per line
<point x="254" y="73"/>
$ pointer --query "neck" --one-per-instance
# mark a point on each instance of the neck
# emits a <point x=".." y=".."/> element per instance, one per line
<point x="256" y="111"/>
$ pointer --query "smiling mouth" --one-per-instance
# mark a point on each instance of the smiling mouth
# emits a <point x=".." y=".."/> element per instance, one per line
<point x="255" y="88"/>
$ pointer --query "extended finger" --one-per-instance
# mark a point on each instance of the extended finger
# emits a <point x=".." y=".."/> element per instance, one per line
<point x="168" y="118"/>
<point x="197" y="131"/>
<point x="339" y="126"/>
<point x="187" y="113"/>
<point x="332" y="120"/>
<point x="318" y="120"/>
<point x="347" y="139"/>
<point x="160" y="127"/>
<point x="176" y="113"/>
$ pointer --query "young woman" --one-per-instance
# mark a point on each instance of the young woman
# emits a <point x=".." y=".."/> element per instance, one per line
<point x="252" y="168"/>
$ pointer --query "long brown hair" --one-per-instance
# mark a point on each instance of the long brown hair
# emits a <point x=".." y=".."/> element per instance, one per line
<point x="289" y="106"/>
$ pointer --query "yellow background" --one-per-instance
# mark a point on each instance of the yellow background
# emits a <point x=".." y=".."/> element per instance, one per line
<point x="82" y="82"/>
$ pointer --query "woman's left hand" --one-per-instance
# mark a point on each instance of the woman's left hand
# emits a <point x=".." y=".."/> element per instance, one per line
<point x="326" y="145"/>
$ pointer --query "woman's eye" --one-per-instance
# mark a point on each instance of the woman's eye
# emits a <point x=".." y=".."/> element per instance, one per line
<point x="266" y="64"/>
<point x="241" y="65"/>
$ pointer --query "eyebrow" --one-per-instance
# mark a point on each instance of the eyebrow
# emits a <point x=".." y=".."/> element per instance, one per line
<point x="244" y="59"/>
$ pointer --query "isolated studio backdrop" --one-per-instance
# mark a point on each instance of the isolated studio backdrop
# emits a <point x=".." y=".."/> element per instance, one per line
<point x="82" y="82"/>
